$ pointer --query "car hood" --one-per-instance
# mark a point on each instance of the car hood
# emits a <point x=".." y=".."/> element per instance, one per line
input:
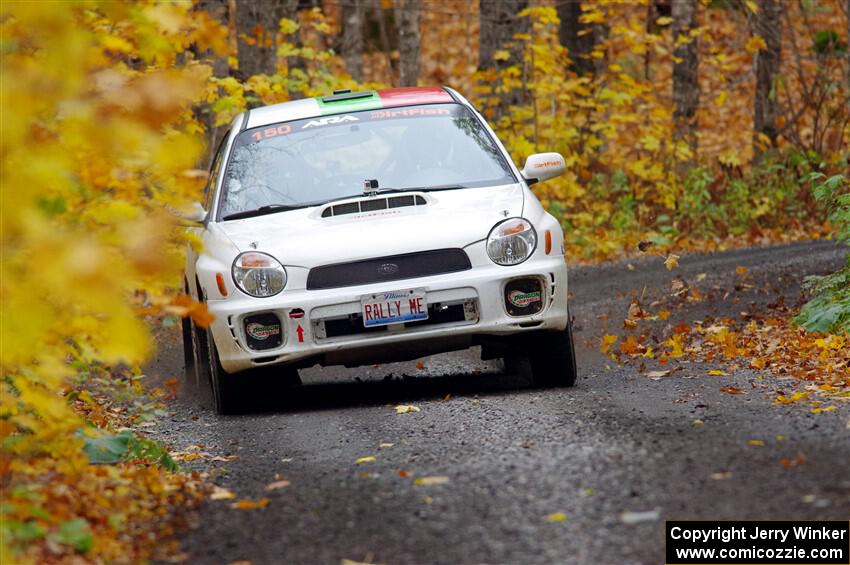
<point x="449" y="218"/>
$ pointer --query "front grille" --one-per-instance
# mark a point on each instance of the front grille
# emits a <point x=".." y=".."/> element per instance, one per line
<point x="392" y="268"/>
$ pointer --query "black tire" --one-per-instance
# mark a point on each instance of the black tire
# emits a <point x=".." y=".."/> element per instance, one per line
<point x="188" y="352"/>
<point x="228" y="395"/>
<point x="247" y="390"/>
<point x="200" y="354"/>
<point x="552" y="357"/>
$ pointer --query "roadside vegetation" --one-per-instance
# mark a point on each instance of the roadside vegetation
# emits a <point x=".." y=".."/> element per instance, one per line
<point x="685" y="130"/>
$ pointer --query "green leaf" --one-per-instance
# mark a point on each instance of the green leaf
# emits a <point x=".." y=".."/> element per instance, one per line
<point x="107" y="449"/>
<point x="76" y="533"/>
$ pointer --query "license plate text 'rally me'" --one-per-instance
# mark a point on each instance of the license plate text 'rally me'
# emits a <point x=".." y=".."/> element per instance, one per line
<point x="394" y="307"/>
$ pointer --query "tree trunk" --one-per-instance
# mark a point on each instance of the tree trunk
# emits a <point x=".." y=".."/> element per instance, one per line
<point x="579" y="46"/>
<point x="766" y="107"/>
<point x="685" y="77"/>
<point x="408" y="14"/>
<point x="352" y="37"/>
<point x="498" y="26"/>
<point x="260" y="21"/>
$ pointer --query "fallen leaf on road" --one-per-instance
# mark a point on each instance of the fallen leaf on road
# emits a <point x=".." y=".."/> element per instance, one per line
<point x="250" y="504"/>
<point x="671" y="262"/>
<point x="664" y="314"/>
<point x="731" y="390"/>
<point x="825" y="409"/>
<point x="656" y="375"/>
<point x="721" y="476"/>
<point x="556" y="517"/>
<point x="697" y="422"/>
<point x="701" y="277"/>
<point x="404" y="474"/>
<point x="638" y="517"/>
<point x="607" y="341"/>
<point x="405" y="409"/>
<point x="431" y="481"/>
<point x="791" y="463"/>
<point x="741" y="270"/>
<point x="367" y="459"/>
<point x="795" y="397"/>
<point x="756" y="442"/>
<point x="277" y="485"/>
<point x="352" y="562"/>
<point x="636" y="311"/>
<point x="225" y="458"/>
<point x="717" y="373"/>
<point x="420" y="365"/>
<point x="219" y="493"/>
<point x="386" y="445"/>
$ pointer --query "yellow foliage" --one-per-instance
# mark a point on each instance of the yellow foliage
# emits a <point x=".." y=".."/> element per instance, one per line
<point x="98" y="142"/>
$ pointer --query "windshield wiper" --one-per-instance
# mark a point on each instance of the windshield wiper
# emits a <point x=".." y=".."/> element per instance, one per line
<point x="440" y="187"/>
<point x="263" y="210"/>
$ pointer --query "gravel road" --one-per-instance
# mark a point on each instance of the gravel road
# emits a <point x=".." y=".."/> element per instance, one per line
<point x="616" y="443"/>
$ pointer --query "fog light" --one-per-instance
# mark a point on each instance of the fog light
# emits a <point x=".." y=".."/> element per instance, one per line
<point x="523" y="297"/>
<point x="263" y="331"/>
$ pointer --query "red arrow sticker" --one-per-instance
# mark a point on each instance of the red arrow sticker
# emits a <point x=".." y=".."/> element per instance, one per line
<point x="300" y="331"/>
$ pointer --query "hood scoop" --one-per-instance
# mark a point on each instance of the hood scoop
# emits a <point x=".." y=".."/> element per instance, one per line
<point x="372" y="204"/>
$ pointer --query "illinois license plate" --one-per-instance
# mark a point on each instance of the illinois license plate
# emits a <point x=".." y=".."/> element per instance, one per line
<point x="394" y="307"/>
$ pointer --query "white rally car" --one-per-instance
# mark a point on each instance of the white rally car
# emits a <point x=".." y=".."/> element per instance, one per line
<point x="367" y="227"/>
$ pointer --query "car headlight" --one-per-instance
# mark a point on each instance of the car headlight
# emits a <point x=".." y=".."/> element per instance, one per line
<point x="511" y="242"/>
<point x="258" y="274"/>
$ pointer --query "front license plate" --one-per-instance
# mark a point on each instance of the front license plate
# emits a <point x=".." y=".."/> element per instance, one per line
<point x="394" y="307"/>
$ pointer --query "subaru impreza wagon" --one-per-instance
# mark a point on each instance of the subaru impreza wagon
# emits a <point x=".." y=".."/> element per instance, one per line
<point x="371" y="227"/>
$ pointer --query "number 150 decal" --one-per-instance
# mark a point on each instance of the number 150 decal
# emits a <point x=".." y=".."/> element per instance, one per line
<point x="272" y="132"/>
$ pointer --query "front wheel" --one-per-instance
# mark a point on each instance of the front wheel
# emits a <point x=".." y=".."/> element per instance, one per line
<point x="228" y="396"/>
<point x="552" y="357"/>
<point x="240" y="392"/>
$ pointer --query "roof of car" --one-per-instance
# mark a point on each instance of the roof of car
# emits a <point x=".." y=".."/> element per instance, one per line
<point x="345" y="101"/>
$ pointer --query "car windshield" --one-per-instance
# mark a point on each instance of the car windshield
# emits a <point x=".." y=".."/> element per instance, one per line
<point x="311" y="161"/>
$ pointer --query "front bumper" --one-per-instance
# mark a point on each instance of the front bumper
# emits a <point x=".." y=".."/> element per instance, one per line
<point x="473" y="297"/>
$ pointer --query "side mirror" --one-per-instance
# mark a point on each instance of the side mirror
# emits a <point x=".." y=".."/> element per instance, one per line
<point x="195" y="214"/>
<point x="543" y="166"/>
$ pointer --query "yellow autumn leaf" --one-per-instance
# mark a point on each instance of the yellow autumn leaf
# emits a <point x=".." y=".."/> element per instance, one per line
<point x="756" y="442"/>
<point x="367" y="459"/>
<point x="671" y="262"/>
<point x="607" y="342"/>
<point x="556" y="517"/>
<point x="406" y="409"/>
<point x="501" y="55"/>
<point x="717" y="373"/>
<point x="220" y="493"/>
<point x="650" y="143"/>
<point x="755" y="44"/>
<point x="431" y="481"/>
<point x="752" y="6"/>
<point x="245" y="504"/>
